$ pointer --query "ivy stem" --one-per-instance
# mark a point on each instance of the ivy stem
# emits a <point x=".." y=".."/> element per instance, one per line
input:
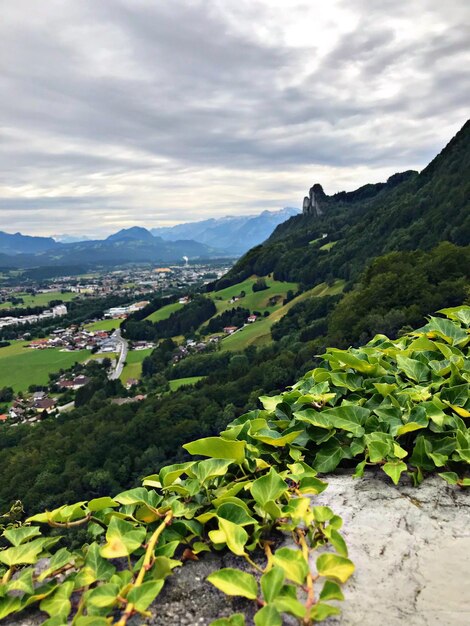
<point x="310" y="588"/>
<point x="78" y="522"/>
<point x="149" y="553"/>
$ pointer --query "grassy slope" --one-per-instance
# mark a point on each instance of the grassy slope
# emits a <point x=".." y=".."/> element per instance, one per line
<point x="253" y="301"/>
<point x="133" y="367"/>
<point x="259" y="332"/>
<point x="104" y="325"/>
<point x="41" y="299"/>
<point x="165" y="312"/>
<point x="21" y="367"/>
<point x="180" y="382"/>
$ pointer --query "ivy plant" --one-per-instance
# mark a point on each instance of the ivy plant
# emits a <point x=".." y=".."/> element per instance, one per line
<point x="398" y="405"/>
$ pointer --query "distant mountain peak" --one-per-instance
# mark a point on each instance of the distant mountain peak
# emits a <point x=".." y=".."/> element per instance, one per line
<point x="135" y="232"/>
<point x="233" y="233"/>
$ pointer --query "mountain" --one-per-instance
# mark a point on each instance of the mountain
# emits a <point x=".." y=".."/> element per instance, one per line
<point x="132" y="245"/>
<point x="136" y="233"/>
<point x="64" y="238"/>
<point x="24" y="244"/>
<point x="336" y="236"/>
<point x="234" y="235"/>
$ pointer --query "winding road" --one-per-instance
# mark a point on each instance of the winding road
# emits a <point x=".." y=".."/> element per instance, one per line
<point x="122" y="347"/>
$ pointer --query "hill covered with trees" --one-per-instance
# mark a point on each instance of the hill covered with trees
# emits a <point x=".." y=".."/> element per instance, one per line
<point x="411" y="211"/>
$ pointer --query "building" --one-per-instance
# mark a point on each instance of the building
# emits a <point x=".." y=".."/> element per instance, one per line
<point x="229" y="330"/>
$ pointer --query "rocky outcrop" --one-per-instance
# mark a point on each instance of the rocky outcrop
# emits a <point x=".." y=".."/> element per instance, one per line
<point x="313" y="202"/>
<point x="411" y="548"/>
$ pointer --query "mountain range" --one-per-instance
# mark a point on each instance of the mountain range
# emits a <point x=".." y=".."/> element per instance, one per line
<point x="214" y="238"/>
<point x="233" y="234"/>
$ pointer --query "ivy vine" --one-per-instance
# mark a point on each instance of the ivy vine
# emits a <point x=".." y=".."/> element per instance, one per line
<point x="399" y="405"/>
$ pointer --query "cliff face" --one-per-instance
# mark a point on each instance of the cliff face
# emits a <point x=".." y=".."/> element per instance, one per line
<point x="410" y="547"/>
<point x="313" y="202"/>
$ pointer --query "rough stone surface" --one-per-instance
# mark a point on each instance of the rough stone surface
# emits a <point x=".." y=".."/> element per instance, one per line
<point x="411" y="548"/>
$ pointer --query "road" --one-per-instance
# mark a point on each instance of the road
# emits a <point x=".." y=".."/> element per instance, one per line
<point x="122" y="347"/>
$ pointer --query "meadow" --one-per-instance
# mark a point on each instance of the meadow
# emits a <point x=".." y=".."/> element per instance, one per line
<point x="104" y="325"/>
<point x="254" y="301"/>
<point x="40" y="299"/>
<point x="165" y="312"/>
<point x="21" y="367"/>
<point x="181" y="382"/>
<point x="133" y="366"/>
<point x="259" y="332"/>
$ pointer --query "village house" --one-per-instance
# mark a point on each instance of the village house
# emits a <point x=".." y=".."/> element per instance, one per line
<point x="229" y="330"/>
<point x="251" y="319"/>
<point x="46" y="404"/>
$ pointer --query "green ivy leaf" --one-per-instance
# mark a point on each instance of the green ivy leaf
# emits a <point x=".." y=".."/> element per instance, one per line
<point x="17" y="536"/>
<point x="26" y="553"/>
<point x="210" y="468"/>
<point x="234" y="582"/>
<point x="339" y="568"/>
<point x="412" y="368"/>
<point x="320" y="611"/>
<point x="218" y="448"/>
<point x="450" y="477"/>
<point x="331" y="591"/>
<point x="271" y="583"/>
<point x="58" y="603"/>
<point x="268" y="616"/>
<point x="328" y="457"/>
<point x="292" y="563"/>
<point x="98" y="504"/>
<point x="235" y="536"/>
<point x="269" y="487"/>
<point x="235" y="513"/>
<point x="103" y="596"/>
<point x="95" y="567"/>
<point x="394" y="469"/>
<point x="144" y="595"/>
<point x="122" y="539"/>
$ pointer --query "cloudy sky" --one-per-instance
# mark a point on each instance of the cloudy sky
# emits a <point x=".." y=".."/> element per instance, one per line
<point x="152" y="112"/>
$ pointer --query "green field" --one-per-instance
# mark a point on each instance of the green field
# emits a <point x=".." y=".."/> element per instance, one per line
<point x="104" y="325"/>
<point x="259" y="333"/>
<point x="165" y="312"/>
<point x="40" y="299"/>
<point x="21" y="367"/>
<point x="254" y="301"/>
<point x="180" y="382"/>
<point x="328" y="246"/>
<point x="133" y="366"/>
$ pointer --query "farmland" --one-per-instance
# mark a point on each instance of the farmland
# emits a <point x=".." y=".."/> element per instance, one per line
<point x="133" y="366"/>
<point x="259" y="332"/>
<point x="254" y="301"/>
<point x="165" y="312"/>
<point x="21" y="367"/>
<point x="104" y="325"/>
<point x="40" y="299"/>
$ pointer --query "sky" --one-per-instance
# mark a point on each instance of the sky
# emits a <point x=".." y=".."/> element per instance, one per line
<point x="116" y="113"/>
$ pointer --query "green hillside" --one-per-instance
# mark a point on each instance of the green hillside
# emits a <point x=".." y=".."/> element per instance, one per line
<point x="410" y="211"/>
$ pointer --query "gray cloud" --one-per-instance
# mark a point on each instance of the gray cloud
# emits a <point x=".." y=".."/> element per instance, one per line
<point x="141" y="112"/>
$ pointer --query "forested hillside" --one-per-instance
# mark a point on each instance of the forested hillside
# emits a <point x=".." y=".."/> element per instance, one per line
<point x="412" y="211"/>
